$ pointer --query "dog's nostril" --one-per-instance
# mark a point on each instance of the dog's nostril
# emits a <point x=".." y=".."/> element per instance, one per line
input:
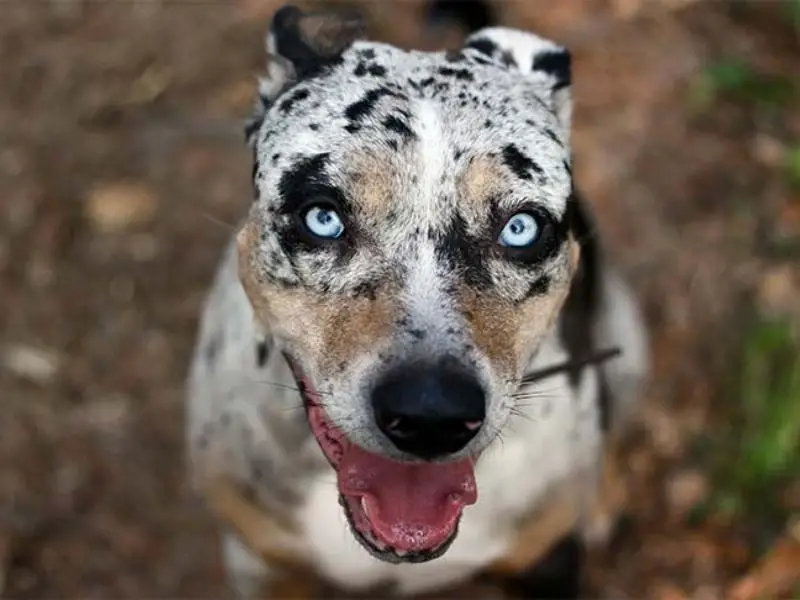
<point x="429" y="412"/>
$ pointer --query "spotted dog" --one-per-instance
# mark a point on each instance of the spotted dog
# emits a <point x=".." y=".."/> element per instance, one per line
<point x="362" y="401"/>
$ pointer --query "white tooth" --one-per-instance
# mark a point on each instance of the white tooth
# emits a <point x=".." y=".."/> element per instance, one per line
<point x="400" y="553"/>
<point x="364" y="506"/>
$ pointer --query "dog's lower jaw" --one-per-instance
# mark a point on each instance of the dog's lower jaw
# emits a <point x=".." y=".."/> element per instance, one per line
<point x="391" y="556"/>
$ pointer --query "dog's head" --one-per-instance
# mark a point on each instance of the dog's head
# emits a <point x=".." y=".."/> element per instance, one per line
<point x="409" y="247"/>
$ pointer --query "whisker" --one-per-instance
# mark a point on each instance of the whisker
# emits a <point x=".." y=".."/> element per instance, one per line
<point x="592" y="359"/>
<point x="219" y="222"/>
<point x="292" y="388"/>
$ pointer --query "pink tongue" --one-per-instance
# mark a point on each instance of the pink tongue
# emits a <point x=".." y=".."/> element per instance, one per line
<point x="411" y="506"/>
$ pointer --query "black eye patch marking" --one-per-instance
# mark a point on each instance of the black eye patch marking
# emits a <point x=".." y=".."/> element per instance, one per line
<point x="520" y="164"/>
<point x="556" y="63"/>
<point x="304" y="185"/>
<point x="463" y="253"/>
<point x="307" y="175"/>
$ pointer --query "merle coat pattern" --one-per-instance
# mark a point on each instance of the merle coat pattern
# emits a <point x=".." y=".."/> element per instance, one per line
<point x="425" y="157"/>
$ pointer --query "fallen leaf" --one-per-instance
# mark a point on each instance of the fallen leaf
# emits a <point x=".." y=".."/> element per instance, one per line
<point x="685" y="490"/>
<point x="113" y="207"/>
<point x="36" y="364"/>
<point x="776" y="574"/>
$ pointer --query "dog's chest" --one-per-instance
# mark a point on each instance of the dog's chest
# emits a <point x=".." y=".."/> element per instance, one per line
<point x="513" y="476"/>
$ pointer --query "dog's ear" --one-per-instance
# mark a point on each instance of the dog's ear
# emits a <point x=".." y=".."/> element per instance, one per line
<point x="541" y="60"/>
<point x="299" y="44"/>
<point x="309" y="41"/>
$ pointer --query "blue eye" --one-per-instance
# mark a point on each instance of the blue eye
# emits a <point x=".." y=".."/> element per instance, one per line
<point x="323" y="222"/>
<point x="520" y="231"/>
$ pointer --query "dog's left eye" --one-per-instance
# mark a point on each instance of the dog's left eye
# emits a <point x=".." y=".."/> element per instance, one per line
<point x="323" y="222"/>
<point x="520" y="231"/>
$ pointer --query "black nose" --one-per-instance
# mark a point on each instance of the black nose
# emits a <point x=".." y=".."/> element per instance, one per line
<point x="428" y="411"/>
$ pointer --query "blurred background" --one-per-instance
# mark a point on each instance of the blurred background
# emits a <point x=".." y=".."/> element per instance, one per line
<point x="123" y="171"/>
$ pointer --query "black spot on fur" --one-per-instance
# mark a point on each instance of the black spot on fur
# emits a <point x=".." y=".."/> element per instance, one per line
<point x="556" y="63"/>
<point x="251" y="127"/>
<point x="377" y="70"/>
<point x="417" y="333"/>
<point x="458" y="154"/>
<point x="360" y="70"/>
<point x="551" y="134"/>
<point x="508" y="59"/>
<point x="212" y="349"/>
<point x="460" y="74"/>
<point x="367" y="53"/>
<point x="392" y="144"/>
<point x="352" y="127"/>
<point x="520" y="164"/>
<point x="427" y="82"/>
<point x="488" y="123"/>
<point x="484" y="46"/>
<point x="293" y="98"/>
<point x="366" y="289"/>
<point x="392" y="123"/>
<point x="262" y="353"/>
<point x="540" y="287"/>
<point x="276" y="157"/>
<point x="568" y="168"/>
<point x="254" y="176"/>
<point x="362" y="108"/>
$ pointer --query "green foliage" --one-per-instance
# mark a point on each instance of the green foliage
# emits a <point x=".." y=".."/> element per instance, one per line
<point x="792" y="166"/>
<point x="761" y="450"/>
<point x="735" y="79"/>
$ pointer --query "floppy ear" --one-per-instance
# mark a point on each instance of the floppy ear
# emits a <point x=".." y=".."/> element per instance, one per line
<point x="542" y="61"/>
<point x="299" y="45"/>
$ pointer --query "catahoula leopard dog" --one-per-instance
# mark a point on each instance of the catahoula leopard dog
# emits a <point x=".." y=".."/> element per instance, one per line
<point x="375" y="397"/>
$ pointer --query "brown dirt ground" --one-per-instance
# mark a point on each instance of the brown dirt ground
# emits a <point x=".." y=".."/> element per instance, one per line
<point x="122" y="166"/>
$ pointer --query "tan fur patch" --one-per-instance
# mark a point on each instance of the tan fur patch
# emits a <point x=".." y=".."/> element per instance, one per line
<point x="371" y="185"/>
<point x="329" y="330"/>
<point x="505" y="331"/>
<point x="480" y="180"/>
<point x="272" y="538"/>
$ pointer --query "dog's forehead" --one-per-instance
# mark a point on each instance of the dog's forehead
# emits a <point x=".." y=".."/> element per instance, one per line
<point x="417" y="119"/>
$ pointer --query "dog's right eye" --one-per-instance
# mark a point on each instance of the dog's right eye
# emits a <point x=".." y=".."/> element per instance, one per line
<point x="323" y="222"/>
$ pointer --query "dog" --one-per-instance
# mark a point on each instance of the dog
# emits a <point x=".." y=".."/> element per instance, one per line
<point x="396" y="382"/>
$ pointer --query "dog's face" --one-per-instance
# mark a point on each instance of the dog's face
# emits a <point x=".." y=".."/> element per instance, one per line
<point x="409" y="248"/>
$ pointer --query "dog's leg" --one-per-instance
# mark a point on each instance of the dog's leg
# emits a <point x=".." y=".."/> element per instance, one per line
<point x="558" y="575"/>
<point x="263" y="557"/>
<point x="247" y="574"/>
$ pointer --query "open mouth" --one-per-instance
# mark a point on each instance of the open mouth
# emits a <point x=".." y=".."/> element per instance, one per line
<point x="399" y="511"/>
